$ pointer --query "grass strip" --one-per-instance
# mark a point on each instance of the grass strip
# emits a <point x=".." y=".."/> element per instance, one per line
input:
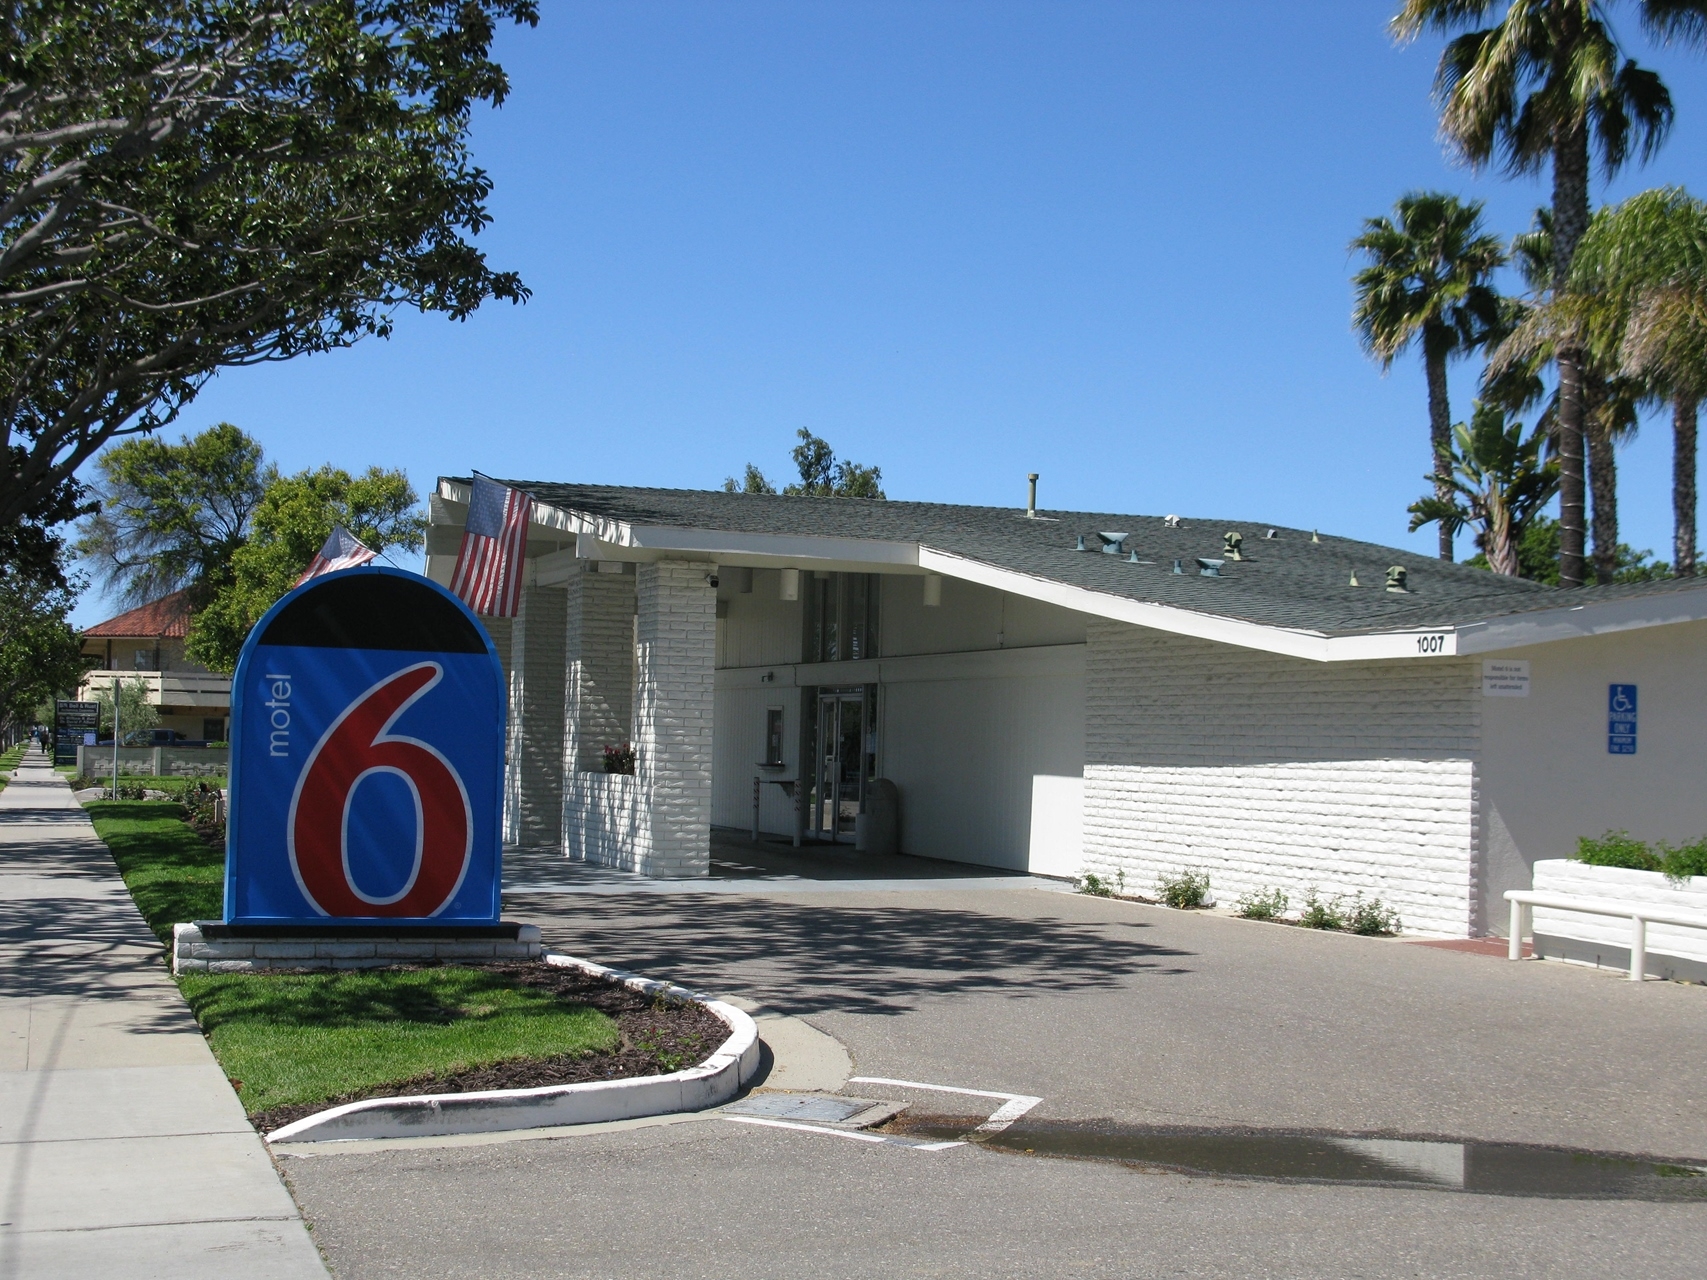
<point x="303" y="1038"/>
<point x="173" y="874"/>
<point x="291" y="1039"/>
<point x="10" y="759"/>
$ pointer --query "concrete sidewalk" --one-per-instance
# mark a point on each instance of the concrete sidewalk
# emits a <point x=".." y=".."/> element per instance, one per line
<point x="123" y="1150"/>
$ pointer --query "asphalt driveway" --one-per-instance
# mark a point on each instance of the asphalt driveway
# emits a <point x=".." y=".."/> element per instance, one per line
<point x="1105" y="1010"/>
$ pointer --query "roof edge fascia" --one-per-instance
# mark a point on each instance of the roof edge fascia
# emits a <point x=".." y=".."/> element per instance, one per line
<point x="1581" y="621"/>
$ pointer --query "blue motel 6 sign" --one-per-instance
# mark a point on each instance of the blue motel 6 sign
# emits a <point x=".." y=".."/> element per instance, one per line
<point x="367" y="754"/>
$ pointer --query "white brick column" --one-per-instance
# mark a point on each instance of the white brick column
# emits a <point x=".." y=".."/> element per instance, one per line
<point x="598" y="707"/>
<point x="676" y="639"/>
<point x="533" y="774"/>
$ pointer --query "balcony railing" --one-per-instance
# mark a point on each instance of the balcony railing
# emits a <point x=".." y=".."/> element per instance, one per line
<point x="167" y="688"/>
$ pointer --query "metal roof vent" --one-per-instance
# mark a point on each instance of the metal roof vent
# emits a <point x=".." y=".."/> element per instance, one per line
<point x="1272" y="534"/>
<point x="1398" y="580"/>
<point x="1354" y="582"/>
<point x="1231" y="543"/>
<point x="1081" y="546"/>
<point x="1314" y="536"/>
<point x="1209" y="568"/>
<point x="1113" y="543"/>
<point x="1179" y="565"/>
<point x="1171" y="522"/>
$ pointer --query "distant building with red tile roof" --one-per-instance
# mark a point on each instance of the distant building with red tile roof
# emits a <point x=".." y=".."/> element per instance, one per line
<point x="147" y="643"/>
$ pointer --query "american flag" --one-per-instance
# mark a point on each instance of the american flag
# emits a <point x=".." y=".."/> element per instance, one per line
<point x="342" y="551"/>
<point x="488" y="574"/>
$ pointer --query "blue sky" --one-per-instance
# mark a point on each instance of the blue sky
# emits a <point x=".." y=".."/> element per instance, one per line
<point x="963" y="241"/>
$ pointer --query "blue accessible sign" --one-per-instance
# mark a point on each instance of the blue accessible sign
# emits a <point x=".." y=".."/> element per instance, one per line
<point x="1621" y="719"/>
<point x="367" y="754"/>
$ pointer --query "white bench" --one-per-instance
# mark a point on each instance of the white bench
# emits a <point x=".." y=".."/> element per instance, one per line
<point x="1524" y="901"/>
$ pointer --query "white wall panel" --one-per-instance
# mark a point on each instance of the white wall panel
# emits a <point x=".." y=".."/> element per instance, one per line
<point x="964" y="755"/>
<point x="739" y="739"/>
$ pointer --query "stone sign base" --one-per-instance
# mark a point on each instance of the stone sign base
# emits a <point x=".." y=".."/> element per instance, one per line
<point x="209" y="946"/>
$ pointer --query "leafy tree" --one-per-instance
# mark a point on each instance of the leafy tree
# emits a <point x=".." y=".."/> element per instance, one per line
<point x="753" y="482"/>
<point x="39" y="651"/>
<point x="173" y="515"/>
<point x="1427" y="282"/>
<point x="1538" y="557"/>
<point x="199" y="184"/>
<point x="137" y="715"/>
<point x="1498" y="482"/>
<point x="822" y="474"/>
<point x="1646" y="260"/>
<point x="292" y="521"/>
<point x="1548" y="86"/>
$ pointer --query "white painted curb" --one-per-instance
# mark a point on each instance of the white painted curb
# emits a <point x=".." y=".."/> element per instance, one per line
<point x="712" y="1083"/>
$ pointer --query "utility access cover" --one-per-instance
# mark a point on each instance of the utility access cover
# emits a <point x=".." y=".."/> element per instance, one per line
<point x="812" y="1108"/>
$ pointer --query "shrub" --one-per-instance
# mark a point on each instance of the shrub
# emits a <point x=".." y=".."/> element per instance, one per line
<point x="1322" y="915"/>
<point x="1371" y="917"/>
<point x="1186" y="890"/>
<point x="1617" y="849"/>
<point x="1262" y="906"/>
<point x="1095" y="885"/>
<point x="1684" y="861"/>
<point x="619" y="759"/>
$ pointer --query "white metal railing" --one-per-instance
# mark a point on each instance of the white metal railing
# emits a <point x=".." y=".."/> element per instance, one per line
<point x="162" y="685"/>
<point x="1524" y="901"/>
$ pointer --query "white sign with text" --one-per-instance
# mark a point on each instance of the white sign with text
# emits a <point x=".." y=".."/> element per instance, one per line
<point x="1504" y="678"/>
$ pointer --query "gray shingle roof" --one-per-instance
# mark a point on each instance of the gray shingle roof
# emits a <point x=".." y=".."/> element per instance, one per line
<point x="1288" y="581"/>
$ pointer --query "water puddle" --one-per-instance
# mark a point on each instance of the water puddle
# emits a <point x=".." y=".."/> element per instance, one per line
<point x="1490" y="1168"/>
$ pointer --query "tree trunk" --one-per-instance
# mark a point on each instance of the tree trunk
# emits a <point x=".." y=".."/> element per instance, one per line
<point x="1570" y="220"/>
<point x="1683" y="487"/>
<point x="1603" y="484"/>
<point x="1439" y="432"/>
<point x="1500" y="546"/>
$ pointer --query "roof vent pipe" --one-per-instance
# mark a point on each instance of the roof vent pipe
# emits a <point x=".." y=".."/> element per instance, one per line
<point x="1031" y="498"/>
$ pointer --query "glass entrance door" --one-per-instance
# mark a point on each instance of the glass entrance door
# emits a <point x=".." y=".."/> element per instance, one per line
<point x="845" y="748"/>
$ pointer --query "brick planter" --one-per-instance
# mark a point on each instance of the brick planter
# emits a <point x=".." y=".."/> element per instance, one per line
<point x="208" y="946"/>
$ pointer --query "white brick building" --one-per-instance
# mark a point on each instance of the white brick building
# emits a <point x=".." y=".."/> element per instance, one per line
<point x="1072" y="692"/>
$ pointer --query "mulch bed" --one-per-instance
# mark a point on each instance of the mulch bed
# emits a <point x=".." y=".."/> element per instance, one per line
<point x="657" y="1038"/>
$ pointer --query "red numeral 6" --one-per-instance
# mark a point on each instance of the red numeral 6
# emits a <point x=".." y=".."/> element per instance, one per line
<point x="355" y="746"/>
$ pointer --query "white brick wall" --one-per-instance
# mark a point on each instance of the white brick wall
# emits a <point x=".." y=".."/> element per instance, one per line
<point x="1272" y="772"/>
<point x="533" y="776"/>
<point x="659" y="821"/>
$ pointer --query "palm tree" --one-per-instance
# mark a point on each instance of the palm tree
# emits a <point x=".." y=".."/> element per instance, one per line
<point x="1497" y="481"/>
<point x="1532" y="332"/>
<point x="1646" y="260"/>
<point x="1427" y="278"/>
<point x="1547" y="86"/>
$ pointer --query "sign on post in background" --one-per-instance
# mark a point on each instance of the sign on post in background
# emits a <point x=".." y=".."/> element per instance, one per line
<point x="367" y="753"/>
<point x="75" y="724"/>
<point x="1621" y="719"/>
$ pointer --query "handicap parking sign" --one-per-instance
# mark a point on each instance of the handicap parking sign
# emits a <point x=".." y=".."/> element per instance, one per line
<point x="367" y="735"/>
<point x="1621" y="719"/>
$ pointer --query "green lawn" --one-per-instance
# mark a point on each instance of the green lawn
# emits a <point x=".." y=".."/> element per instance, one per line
<point x="170" y="871"/>
<point x="293" y="1038"/>
<point x="304" y="1038"/>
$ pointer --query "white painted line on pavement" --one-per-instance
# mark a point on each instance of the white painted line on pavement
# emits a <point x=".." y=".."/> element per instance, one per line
<point x="844" y="1133"/>
<point x="1014" y="1105"/>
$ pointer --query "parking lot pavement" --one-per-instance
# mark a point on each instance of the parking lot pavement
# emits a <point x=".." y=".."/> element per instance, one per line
<point x="1134" y="1013"/>
<point x="1104" y="1010"/>
<point x="718" y="1200"/>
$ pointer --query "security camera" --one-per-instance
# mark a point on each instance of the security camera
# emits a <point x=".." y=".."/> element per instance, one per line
<point x="711" y="580"/>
